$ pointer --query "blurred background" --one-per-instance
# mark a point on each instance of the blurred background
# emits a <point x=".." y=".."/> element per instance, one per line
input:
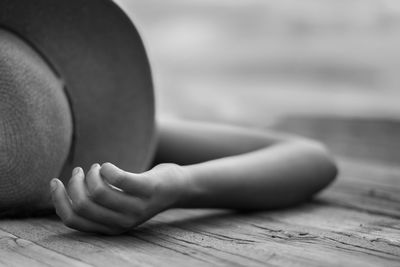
<point x="328" y="69"/>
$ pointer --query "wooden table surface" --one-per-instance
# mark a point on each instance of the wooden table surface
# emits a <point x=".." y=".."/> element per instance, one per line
<point x="355" y="222"/>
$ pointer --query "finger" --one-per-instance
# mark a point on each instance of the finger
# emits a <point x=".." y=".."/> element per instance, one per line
<point x="62" y="204"/>
<point x="83" y="206"/>
<point x="134" y="184"/>
<point x="103" y="194"/>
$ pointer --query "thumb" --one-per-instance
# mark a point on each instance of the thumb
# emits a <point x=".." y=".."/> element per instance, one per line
<point x="131" y="183"/>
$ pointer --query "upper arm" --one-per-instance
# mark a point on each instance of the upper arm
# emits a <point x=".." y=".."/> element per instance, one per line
<point x="185" y="142"/>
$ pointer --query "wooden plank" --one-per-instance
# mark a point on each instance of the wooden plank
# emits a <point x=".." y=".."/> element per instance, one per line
<point x="309" y="235"/>
<point x="345" y="225"/>
<point x="366" y="186"/>
<point x="302" y="236"/>
<point x="103" y="250"/>
<point x="21" y="252"/>
<point x="292" y="239"/>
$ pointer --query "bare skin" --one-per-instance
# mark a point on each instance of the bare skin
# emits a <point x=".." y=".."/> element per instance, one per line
<point x="209" y="166"/>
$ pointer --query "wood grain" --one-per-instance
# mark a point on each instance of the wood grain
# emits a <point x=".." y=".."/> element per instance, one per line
<point x="337" y="228"/>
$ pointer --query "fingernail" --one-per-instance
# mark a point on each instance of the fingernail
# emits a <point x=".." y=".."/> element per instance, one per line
<point x="111" y="165"/>
<point x="95" y="165"/>
<point x="76" y="171"/>
<point x="53" y="185"/>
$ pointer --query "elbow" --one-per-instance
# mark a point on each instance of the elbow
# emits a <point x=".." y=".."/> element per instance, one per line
<point x="325" y="166"/>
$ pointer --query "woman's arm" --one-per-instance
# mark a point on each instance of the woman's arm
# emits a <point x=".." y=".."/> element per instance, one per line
<point x="232" y="167"/>
<point x="210" y="166"/>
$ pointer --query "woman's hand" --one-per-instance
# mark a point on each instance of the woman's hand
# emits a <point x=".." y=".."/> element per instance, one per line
<point x="111" y="201"/>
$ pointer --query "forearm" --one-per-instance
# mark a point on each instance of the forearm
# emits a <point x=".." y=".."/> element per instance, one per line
<point x="280" y="175"/>
<point x="187" y="143"/>
<point x="233" y="167"/>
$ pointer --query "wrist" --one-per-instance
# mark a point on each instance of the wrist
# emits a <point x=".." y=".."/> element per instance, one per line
<point x="172" y="184"/>
<point x="190" y="192"/>
<point x="182" y="186"/>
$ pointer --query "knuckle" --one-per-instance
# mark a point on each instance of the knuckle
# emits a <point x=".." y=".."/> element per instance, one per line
<point x="167" y="167"/>
<point x="162" y="166"/>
